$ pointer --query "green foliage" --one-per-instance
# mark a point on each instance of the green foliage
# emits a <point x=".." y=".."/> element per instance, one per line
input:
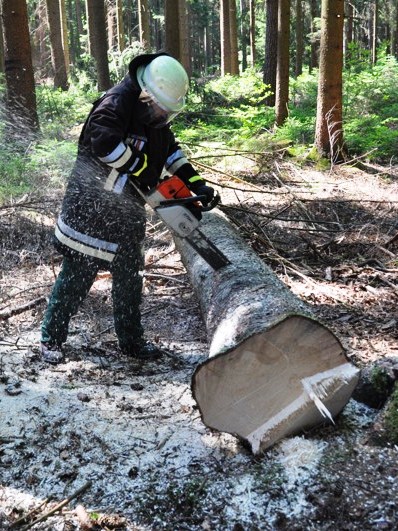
<point x="119" y="61"/>
<point x="391" y="417"/>
<point x="373" y="90"/>
<point x="380" y="380"/>
<point x="231" y="110"/>
<point x="15" y="173"/>
<point x="304" y="91"/>
<point x="60" y="110"/>
<point x="370" y="135"/>
<point x="228" y="109"/>
<point x="221" y="111"/>
<point x="47" y="159"/>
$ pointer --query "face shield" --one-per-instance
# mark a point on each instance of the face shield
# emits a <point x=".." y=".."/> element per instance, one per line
<point x="152" y="113"/>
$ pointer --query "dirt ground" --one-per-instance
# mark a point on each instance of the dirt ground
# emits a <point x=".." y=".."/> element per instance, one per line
<point x="127" y="443"/>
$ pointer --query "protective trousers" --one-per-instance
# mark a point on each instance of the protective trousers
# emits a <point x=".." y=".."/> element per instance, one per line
<point x="73" y="284"/>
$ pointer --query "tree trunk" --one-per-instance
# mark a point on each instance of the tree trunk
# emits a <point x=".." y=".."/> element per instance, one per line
<point x="159" y="42"/>
<point x="271" y="50"/>
<point x="120" y="26"/>
<point x="314" y="41"/>
<point x="20" y="83"/>
<point x="57" y="52"/>
<point x="225" y="38"/>
<point x="172" y="33"/>
<point x="374" y="31"/>
<point x="143" y="22"/>
<point x="394" y="33"/>
<point x="65" y="36"/>
<point x="98" y="42"/>
<point x="252" y="32"/>
<point x="272" y="366"/>
<point x="299" y="38"/>
<point x="79" y="18"/>
<point x="1" y="50"/>
<point x="110" y="15"/>
<point x="233" y="35"/>
<point x="329" y="128"/>
<point x="282" y="71"/>
<point x="184" y="48"/>
<point x="244" y="31"/>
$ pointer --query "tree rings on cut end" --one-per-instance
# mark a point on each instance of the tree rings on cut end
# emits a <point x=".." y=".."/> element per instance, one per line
<point x="275" y="383"/>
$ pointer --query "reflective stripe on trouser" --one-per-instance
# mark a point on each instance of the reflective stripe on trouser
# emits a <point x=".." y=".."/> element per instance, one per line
<point x="73" y="284"/>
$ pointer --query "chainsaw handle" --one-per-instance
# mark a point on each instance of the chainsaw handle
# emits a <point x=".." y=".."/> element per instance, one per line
<point x="193" y="199"/>
<point x="213" y="203"/>
<point x="183" y="200"/>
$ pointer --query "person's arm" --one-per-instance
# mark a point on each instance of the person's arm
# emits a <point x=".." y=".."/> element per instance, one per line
<point x="178" y="164"/>
<point x="108" y="128"/>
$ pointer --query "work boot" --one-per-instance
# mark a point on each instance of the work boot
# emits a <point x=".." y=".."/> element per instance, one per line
<point x="51" y="353"/>
<point x="143" y="350"/>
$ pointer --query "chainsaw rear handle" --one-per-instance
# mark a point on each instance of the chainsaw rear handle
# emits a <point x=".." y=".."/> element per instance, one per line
<point x="193" y="199"/>
<point x="213" y="203"/>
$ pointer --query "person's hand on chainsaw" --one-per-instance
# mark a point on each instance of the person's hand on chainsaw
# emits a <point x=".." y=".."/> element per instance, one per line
<point x="144" y="176"/>
<point x="200" y="188"/>
<point x="148" y="179"/>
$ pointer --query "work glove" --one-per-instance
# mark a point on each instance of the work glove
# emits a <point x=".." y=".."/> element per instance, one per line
<point x="195" y="210"/>
<point x="146" y="180"/>
<point x="207" y="191"/>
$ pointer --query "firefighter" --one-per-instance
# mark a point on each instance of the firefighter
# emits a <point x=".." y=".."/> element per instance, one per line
<point x="126" y="138"/>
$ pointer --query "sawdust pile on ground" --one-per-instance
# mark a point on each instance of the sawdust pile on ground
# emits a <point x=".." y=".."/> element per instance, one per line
<point x="132" y="435"/>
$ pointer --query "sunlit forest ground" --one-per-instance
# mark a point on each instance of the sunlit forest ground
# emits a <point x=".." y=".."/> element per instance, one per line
<point x="131" y="436"/>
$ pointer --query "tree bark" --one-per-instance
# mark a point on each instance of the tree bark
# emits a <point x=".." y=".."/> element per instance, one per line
<point x="184" y="44"/>
<point x="172" y="28"/>
<point x="98" y="41"/>
<point x="1" y="50"/>
<point x="272" y="366"/>
<point x="394" y="34"/>
<point x="225" y="37"/>
<point x="299" y="38"/>
<point x="57" y="52"/>
<point x="252" y="32"/>
<point x="271" y="50"/>
<point x="375" y="21"/>
<point x="120" y="26"/>
<point x="20" y="83"/>
<point x="244" y="30"/>
<point x="143" y="22"/>
<point x="65" y="36"/>
<point x="282" y="71"/>
<point x="233" y="35"/>
<point x="329" y="128"/>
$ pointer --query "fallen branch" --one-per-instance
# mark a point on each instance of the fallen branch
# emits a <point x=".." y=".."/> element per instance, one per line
<point x="275" y="218"/>
<point x="28" y="515"/>
<point x="6" y="314"/>
<point x="59" y="506"/>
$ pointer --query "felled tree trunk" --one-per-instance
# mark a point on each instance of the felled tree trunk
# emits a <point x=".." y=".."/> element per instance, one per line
<point x="273" y="369"/>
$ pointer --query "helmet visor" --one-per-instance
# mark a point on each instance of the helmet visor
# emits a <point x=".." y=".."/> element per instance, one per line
<point x="152" y="113"/>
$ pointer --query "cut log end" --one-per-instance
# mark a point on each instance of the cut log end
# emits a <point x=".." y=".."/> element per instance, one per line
<point x="275" y="383"/>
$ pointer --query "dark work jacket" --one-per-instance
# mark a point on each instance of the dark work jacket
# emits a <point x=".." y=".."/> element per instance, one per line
<point x="101" y="211"/>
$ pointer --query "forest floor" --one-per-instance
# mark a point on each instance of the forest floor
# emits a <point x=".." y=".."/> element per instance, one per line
<point x="131" y="436"/>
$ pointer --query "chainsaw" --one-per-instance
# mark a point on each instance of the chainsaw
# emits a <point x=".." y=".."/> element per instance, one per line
<point x="181" y="212"/>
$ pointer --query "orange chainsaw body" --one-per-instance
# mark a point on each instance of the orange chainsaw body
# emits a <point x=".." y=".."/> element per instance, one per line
<point x="173" y="188"/>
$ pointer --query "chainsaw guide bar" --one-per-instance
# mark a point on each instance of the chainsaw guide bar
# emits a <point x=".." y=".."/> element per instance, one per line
<point x="171" y="200"/>
<point x="207" y="250"/>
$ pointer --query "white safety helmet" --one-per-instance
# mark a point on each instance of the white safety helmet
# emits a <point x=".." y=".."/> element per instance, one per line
<point x="164" y="83"/>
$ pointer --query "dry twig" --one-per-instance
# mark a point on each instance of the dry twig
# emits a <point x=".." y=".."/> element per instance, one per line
<point x="59" y="506"/>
